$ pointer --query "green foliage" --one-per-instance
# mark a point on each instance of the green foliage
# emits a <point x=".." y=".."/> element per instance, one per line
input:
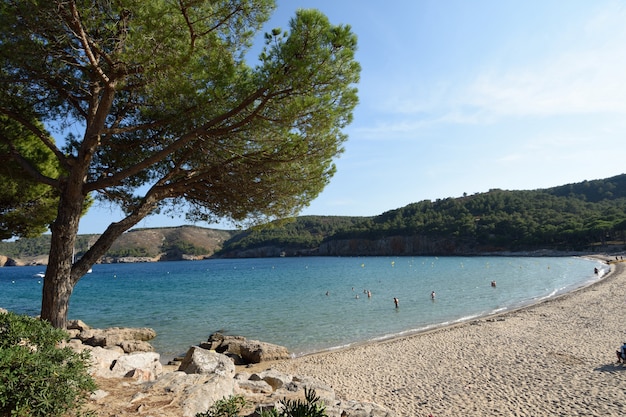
<point x="134" y="251"/>
<point x="311" y="407"/>
<point x="26" y="247"/>
<point x="226" y="407"/>
<point x="303" y="232"/>
<point x="171" y="115"/>
<point x="26" y="207"/>
<point x="187" y="248"/>
<point x="571" y="217"/>
<point x="38" y="379"/>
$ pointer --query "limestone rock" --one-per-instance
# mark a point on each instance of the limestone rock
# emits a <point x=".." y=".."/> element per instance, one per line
<point x="148" y="362"/>
<point x="194" y="393"/>
<point x="131" y="346"/>
<point x="274" y="378"/>
<point x="202" y="361"/>
<point x="256" y="387"/>
<point x="102" y="360"/>
<point x="125" y="337"/>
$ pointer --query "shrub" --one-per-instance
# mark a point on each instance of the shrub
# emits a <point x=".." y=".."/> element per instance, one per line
<point x="312" y="407"/>
<point x="37" y="378"/>
<point x="226" y="407"/>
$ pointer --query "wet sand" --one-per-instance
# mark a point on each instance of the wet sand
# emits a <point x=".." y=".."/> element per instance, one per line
<point x="556" y="358"/>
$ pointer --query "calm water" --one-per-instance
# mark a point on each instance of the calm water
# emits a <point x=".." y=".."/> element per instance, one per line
<point x="285" y="301"/>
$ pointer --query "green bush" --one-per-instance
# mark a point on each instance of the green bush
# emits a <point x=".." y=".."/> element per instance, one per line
<point x="37" y="378"/>
<point x="312" y="407"/>
<point x="226" y="407"/>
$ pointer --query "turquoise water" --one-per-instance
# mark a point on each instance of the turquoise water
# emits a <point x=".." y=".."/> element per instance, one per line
<point x="285" y="301"/>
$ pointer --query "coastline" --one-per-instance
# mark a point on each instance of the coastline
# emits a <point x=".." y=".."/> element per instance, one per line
<point x="556" y="357"/>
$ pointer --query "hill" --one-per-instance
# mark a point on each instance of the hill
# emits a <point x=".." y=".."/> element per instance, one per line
<point x="580" y="217"/>
<point x="152" y="244"/>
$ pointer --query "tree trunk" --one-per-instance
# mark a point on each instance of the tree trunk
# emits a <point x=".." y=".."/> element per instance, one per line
<point x="59" y="281"/>
<point x="61" y="274"/>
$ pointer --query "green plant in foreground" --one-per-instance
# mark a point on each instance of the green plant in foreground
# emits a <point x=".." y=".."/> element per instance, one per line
<point x="37" y="378"/>
<point x="226" y="407"/>
<point x="312" y="407"/>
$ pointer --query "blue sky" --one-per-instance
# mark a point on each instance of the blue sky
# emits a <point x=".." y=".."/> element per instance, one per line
<point x="466" y="96"/>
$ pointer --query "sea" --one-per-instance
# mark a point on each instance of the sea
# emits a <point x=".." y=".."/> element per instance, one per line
<point x="307" y="304"/>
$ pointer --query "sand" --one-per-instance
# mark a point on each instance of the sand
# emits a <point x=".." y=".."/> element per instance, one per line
<point x="556" y="358"/>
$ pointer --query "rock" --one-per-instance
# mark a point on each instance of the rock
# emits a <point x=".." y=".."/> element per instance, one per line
<point x="3" y="310"/>
<point x="102" y="360"/>
<point x="125" y="337"/>
<point x="257" y="387"/>
<point x="324" y="391"/>
<point x="274" y="378"/>
<point x="254" y="351"/>
<point x="98" y="395"/>
<point x="141" y="375"/>
<point x="202" y="361"/>
<point x="250" y="351"/>
<point x="77" y="325"/>
<point x="130" y="346"/>
<point x="147" y="362"/>
<point x="357" y="409"/>
<point x="193" y="393"/>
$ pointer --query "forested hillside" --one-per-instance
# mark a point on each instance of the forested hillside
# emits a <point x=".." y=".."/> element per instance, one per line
<point x="571" y="217"/>
<point x="584" y="216"/>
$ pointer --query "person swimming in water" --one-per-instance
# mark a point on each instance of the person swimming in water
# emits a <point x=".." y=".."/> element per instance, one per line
<point x="432" y="295"/>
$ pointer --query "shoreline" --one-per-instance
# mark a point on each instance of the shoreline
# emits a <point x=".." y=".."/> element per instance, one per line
<point x="554" y="357"/>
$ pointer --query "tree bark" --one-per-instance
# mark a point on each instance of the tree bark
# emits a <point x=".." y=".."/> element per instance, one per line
<point x="59" y="280"/>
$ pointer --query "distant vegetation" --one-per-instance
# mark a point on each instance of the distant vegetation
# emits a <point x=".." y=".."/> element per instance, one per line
<point x="570" y="217"/>
<point x="168" y="243"/>
<point x="574" y="217"/>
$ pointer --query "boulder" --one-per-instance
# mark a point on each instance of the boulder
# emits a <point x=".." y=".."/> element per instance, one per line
<point x="274" y="378"/>
<point x="148" y="362"/>
<point x="102" y="360"/>
<point x="193" y="393"/>
<point x="131" y="346"/>
<point x="77" y="325"/>
<point x="202" y="361"/>
<point x="244" y="351"/>
<point x="253" y="351"/>
<point x="125" y="337"/>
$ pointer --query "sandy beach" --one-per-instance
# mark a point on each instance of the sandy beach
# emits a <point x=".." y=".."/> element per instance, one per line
<point x="556" y="358"/>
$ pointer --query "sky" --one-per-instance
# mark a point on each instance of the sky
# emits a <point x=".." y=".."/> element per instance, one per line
<point x="464" y="96"/>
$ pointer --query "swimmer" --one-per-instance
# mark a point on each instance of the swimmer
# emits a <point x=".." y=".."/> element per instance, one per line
<point x="493" y="284"/>
<point x="396" y="301"/>
<point x="369" y="294"/>
<point x="432" y="295"/>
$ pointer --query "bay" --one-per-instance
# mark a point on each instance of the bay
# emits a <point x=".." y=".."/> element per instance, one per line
<point x="305" y="304"/>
